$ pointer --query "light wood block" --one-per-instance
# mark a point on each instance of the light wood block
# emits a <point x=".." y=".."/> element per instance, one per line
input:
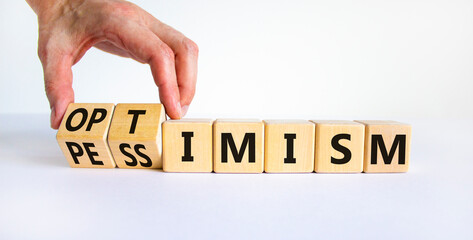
<point x="288" y="146"/>
<point x="238" y="146"/>
<point x="82" y="135"/>
<point x="387" y="146"/>
<point x="338" y="146"/>
<point x="135" y="135"/>
<point x="187" y="145"/>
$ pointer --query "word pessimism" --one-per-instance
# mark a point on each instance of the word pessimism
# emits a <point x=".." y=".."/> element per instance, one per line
<point x="137" y="136"/>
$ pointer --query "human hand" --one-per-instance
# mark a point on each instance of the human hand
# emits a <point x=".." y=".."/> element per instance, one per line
<point x="68" y="28"/>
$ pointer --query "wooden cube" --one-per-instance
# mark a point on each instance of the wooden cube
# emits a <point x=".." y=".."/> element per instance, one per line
<point x="135" y="135"/>
<point x="288" y="146"/>
<point x="187" y="145"/>
<point x="82" y="135"/>
<point x="238" y="146"/>
<point x="387" y="146"/>
<point x="338" y="146"/>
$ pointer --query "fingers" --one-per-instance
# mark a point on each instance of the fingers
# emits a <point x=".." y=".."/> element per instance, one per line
<point x="150" y="49"/>
<point x="186" y="55"/>
<point x="58" y="84"/>
<point x="171" y="56"/>
<point x="165" y="78"/>
<point x="186" y="71"/>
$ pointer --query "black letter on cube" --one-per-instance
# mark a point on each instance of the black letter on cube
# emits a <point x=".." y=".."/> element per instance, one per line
<point x="134" y="121"/>
<point x="80" y="152"/>
<point x="377" y="140"/>
<point x="249" y="139"/>
<point x="290" y="148"/>
<point x="187" y="147"/>
<point x="94" y="119"/>
<point x="83" y="111"/>
<point x="134" y="162"/>
<point x="337" y="146"/>
<point x="69" y="126"/>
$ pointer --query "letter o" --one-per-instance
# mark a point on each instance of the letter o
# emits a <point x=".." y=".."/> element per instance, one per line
<point x="69" y="126"/>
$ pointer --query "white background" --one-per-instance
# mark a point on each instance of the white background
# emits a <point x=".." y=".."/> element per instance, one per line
<point x="403" y="60"/>
<point x="277" y="59"/>
<point x="41" y="197"/>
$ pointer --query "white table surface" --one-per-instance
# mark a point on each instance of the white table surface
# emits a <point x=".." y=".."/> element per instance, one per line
<point x="41" y="197"/>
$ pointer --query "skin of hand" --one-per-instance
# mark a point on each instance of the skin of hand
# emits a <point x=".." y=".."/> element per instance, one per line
<point x="68" y="28"/>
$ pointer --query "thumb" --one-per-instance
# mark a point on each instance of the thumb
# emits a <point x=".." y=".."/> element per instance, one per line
<point x="58" y="84"/>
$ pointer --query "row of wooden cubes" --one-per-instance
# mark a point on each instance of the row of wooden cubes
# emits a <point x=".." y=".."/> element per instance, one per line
<point x="129" y="136"/>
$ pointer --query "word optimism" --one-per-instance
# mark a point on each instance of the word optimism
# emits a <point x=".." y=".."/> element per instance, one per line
<point x="138" y="136"/>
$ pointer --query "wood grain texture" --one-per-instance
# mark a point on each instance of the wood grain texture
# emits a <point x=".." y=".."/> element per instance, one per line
<point x="238" y="128"/>
<point x="328" y="130"/>
<point x="393" y="135"/>
<point x="138" y="146"/>
<point x="90" y="144"/>
<point x="277" y="135"/>
<point x="174" y="157"/>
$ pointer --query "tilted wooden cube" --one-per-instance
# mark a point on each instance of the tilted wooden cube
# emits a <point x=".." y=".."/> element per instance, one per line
<point x="238" y="146"/>
<point x="338" y="146"/>
<point x="288" y="146"/>
<point x="187" y="145"/>
<point x="387" y="146"/>
<point x="135" y="135"/>
<point x="82" y="135"/>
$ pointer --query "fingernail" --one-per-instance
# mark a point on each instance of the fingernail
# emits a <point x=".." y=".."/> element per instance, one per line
<point x="179" y="110"/>
<point x="53" y="116"/>
<point x="184" y="110"/>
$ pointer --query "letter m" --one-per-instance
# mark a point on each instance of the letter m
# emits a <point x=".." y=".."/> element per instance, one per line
<point x="249" y="139"/>
<point x="377" y="140"/>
